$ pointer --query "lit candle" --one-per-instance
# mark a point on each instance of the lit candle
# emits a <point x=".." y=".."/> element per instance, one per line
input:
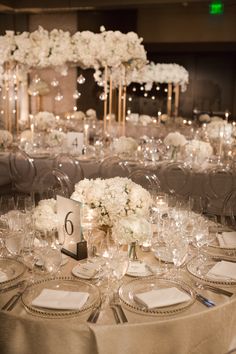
<point x="86" y="134"/>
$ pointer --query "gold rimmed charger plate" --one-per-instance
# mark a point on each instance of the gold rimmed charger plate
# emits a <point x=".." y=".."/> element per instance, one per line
<point x="12" y="268"/>
<point x="128" y="290"/>
<point x="200" y="268"/>
<point x="60" y="283"/>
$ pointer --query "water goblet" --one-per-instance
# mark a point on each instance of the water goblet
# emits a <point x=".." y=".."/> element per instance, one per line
<point x="15" y="242"/>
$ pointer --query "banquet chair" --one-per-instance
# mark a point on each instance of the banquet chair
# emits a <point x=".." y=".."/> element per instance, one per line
<point x="219" y="183"/>
<point x="70" y="165"/>
<point x="228" y="215"/>
<point x="22" y="171"/>
<point x="175" y="179"/>
<point x="113" y="166"/>
<point x="52" y="183"/>
<point x="147" y="178"/>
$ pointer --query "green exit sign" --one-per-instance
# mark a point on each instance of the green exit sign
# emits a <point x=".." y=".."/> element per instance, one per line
<point x="216" y="7"/>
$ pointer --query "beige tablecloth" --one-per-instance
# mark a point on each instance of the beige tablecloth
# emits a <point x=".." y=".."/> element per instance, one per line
<point x="196" y="330"/>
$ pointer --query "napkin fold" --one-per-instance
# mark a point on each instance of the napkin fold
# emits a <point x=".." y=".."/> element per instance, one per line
<point x="60" y="299"/>
<point x="227" y="239"/>
<point x="223" y="270"/>
<point x="87" y="270"/>
<point x="161" y="297"/>
<point x="3" y="276"/>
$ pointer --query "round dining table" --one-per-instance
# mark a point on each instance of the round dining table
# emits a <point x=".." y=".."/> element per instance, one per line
<point x="196" y="329"/>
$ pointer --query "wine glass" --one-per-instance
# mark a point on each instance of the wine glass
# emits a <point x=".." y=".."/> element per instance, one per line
<point x="15" y="242"/>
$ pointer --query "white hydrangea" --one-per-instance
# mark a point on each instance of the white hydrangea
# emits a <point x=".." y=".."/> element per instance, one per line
<point x="200" y="150"/>
<point x="45" y="215"/>
<point x="6" y="138"/>
<point x="113" y="198"/>
<point x="124" y="145"/>
<point x="55" y="138"/>
<point x="131" y="228"/>
<point x="44" y="120"/>
<point x="175" y="139"/>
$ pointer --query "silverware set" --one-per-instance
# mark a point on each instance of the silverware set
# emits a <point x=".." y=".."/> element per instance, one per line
<point x="11" y="303"/>
<point x="207" y="302"/>
<point x="117" y="309"/>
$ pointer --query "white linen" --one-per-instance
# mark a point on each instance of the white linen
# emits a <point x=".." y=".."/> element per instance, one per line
<point x="3" y="276"/>
<point x="60" y="299"/>
<point x="224" y="270"/>
<point x="161" y="297"/>
<point x="227" y="239"/>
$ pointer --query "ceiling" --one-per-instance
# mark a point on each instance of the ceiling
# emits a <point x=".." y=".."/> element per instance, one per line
<point x="38" y="6"/>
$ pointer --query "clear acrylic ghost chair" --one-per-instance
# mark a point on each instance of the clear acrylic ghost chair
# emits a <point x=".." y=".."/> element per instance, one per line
<point x="54" y="182"/>
<point x="22" y="170"/>
<point x="219" y="183"/>
<point x="176" y="178"/>
<point x="147" y="179"/>
<point x="113" y="166"/>
<point x="70" y="165"/>
<point x="228" y="216"/>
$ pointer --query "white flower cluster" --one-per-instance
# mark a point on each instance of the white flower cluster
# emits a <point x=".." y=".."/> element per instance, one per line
<point x="200" y="150"/>
<point x="86" y="49"/>
<point x="160" y="73"/>
<point x="55" y="138"/>
<point x="175" y="139"/>
<point x="113" y="198"/>
<point x="143" y="119"/>
<point x="6" y="138"/>
<point x="124" y="145"/>
<point x="45" y="215"/>
<point x="44" y="120"/>
<point x="219" y="129"/>
<point x="131" y="228"/>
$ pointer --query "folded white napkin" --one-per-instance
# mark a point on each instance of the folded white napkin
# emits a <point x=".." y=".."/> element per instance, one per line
<point x="223" y="270"/>
<point x="61" y="300"/>
<point x="137" y="268"/>
<point x="87" y="270"/>
<point x="161" y="297"/>
<point x="227" y="239"/>
<point x="3" y="276"/>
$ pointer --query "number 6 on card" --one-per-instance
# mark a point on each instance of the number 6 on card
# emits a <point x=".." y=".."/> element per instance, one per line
<point x="69" y="228"/>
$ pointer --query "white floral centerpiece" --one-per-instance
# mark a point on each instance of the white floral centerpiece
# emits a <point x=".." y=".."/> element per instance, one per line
<point x="204" y="118"/>
<point x="45" y="215"/>
<point x="113" y="198"/>
<point x="175" y="141"/>
<point x="144" y="119"/>
<point x="44" y="121"/>
<point x="124" y="145"/>
<point x="199" y="150"/>
<point x="55" y="138"/>
<point x="6" y="139"/>
<point x="218" y="128"/>
<point x="130" y="229"/>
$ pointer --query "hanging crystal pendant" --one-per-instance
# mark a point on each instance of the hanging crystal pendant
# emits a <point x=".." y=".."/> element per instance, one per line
<point x="103" y="96"/>
<point x="76" y="95"/>
<point x="58" y="97"/>
<point x="81" y="79"/>
<point x="54" y="82"/>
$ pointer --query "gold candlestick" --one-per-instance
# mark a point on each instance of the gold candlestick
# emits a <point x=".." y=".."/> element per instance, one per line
<point x="176" y="108"/>
<point x="169" y="99"/>
<point x="105" y="102"/>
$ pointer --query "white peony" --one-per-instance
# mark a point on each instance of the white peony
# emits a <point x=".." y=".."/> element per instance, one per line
<point x="113" y="198"/>
<point x="204" y="118"/>
<point x="132" y="228"/>
<point x="175" y="139"/>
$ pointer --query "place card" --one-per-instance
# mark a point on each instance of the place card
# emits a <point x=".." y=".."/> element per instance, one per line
<point x="75" y="142"/>
<point x="69" y="228"/>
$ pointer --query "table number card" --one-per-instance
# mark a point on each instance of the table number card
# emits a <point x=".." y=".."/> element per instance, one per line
<point x="75" y="142"/>
<point x="69" y="229"/>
